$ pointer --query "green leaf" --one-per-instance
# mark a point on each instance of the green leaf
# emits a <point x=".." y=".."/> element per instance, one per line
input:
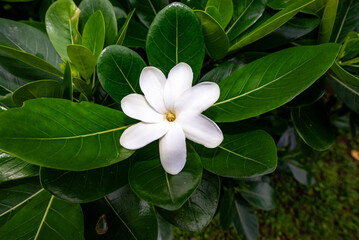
<point x="83" y="60"/>
<point x="183" y="41"/>
<point x="93" y="35"/>
<point x="346" y="20"/>
<point x="165" y="231"/>
<point x="67" y="83"/>
<point x="260" y="195"/>
<point x="245" y="220"/>
<point x="215" y="38"/>
<point x="6" y="101"/>
<point x="37" y="89"/>
<point x="65" y="135"/>
<point x="147" y="10"/>
<point x="15" y="194"/>
<point x="327" y="22"/>
<point x="89" y="7"/>
<point x="199" y="210"/>
<point x="119" y="70"/>
<point x="8" y="81"/>
<point x="123" y="30"/>
<point x="300" y="173"/>
<point x="168" y="191"/>
<point x="136" y="35"/>
<point x="267" y="83"/>
<point x="313" y="126"/>
<point x="48" y="217"/>
<point x="344" y="76"/>
<point x="214" y="13"/>
<point x="120" y="215"/>
<point x="83" y="87"/>
<point x="12" y="168"/>
<point x="245" y="14"/>
<point x="350" y="48"/>
<point x="226" y="209"/>
<point x="61" y="24"/>
<point x="271" y="24"/>
<point x="26" y="38"/>
<point x="196" y="4"/>
<point x="240" y="155"/>
<point x="32" y="60"/>
<point x="225" y="8"/>
<point x="84" y="186"/>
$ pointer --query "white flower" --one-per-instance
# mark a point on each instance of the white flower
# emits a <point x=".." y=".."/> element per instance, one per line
<point x="170" y="110"/>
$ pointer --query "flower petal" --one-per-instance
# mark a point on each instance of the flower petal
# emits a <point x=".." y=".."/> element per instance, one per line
<point x="136" y="106"/>
<point x="141" y="134"/>
<point x="179" y="80"/>
<point x="173" y="150"/>
<point x="152" y="83"/>
<point x="198" y="98"/>
<point x="200" y="129"/>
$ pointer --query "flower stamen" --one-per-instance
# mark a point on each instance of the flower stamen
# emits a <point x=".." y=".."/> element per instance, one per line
<point x="170" y="117"/>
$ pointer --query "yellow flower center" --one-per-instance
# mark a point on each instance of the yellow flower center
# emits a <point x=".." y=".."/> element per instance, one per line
<point x="170" y="117"/>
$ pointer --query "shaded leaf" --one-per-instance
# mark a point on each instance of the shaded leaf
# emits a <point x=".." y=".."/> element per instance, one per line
<point x="344" y="76"/>
<point x="226" y="208"/>
<point x="89" y="7"/>
<point x="37" y="89"/>
<point x="147" y="10"/>
<point x="119" y="70"/>
<point x="199" y="210"/>
<point x="170" y="191"/>
<point x="260" y="195"/>
<point x="123" y="30"/>
<point x="270" y="25"/>
<point x="245" y="220"/>
<point x="215" y="38"/>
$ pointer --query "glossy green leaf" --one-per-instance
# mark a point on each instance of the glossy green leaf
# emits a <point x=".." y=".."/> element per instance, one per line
<point x="35" y="24"/>
<point x="83" y="60"/>
<point x="6" y="101"/>
<point x="245" y="14"/>
<point x="225" y="8"/>
<point x="147" y="10"/>
<point x="37" y="89"/>
<point x="32" y="60"/>
<point x="93" y="35"/>
<point x="260" y="195"/>
<point x="239" y="155"/>
<point x="199" y="210"/>
<point x="313" y="126"/>
<point x="123" y="30"/>
<point x="65" y="135"/>
<point x="84" y="186"/>
<point x="315" y="7"/>
<point x="62" y="25"/>
<point x="67" y="84"/>
<point x="346" y="21"/>
<point x="327" y="22"/>
<point x="245" y="220"/>
<point x="214" y="13"/>
<point x="48" y="217"/>
<point x="120" y="215"/>
<point x="26" y="38"/>
<point x="151" y="183"/>
<point x="344" y="76"/>
<point x="268" y="83"/>
<point x="119" y="70"/>
<point x="226" y="208"/>
<point x="136" y="35"/>
<point x="183" y="41"/>
<point x="12" y="168"/>
<point x="89" y="7"/>
<point x="215" y="38"/>
<point x="15" y="194"/>
<point x="271" y="24"/>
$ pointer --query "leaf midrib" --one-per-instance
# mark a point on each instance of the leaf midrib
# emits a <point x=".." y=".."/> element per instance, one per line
<point x="70" y="137"/>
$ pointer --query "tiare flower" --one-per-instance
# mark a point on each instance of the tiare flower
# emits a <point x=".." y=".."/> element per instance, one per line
<point x="170" y="111"/>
